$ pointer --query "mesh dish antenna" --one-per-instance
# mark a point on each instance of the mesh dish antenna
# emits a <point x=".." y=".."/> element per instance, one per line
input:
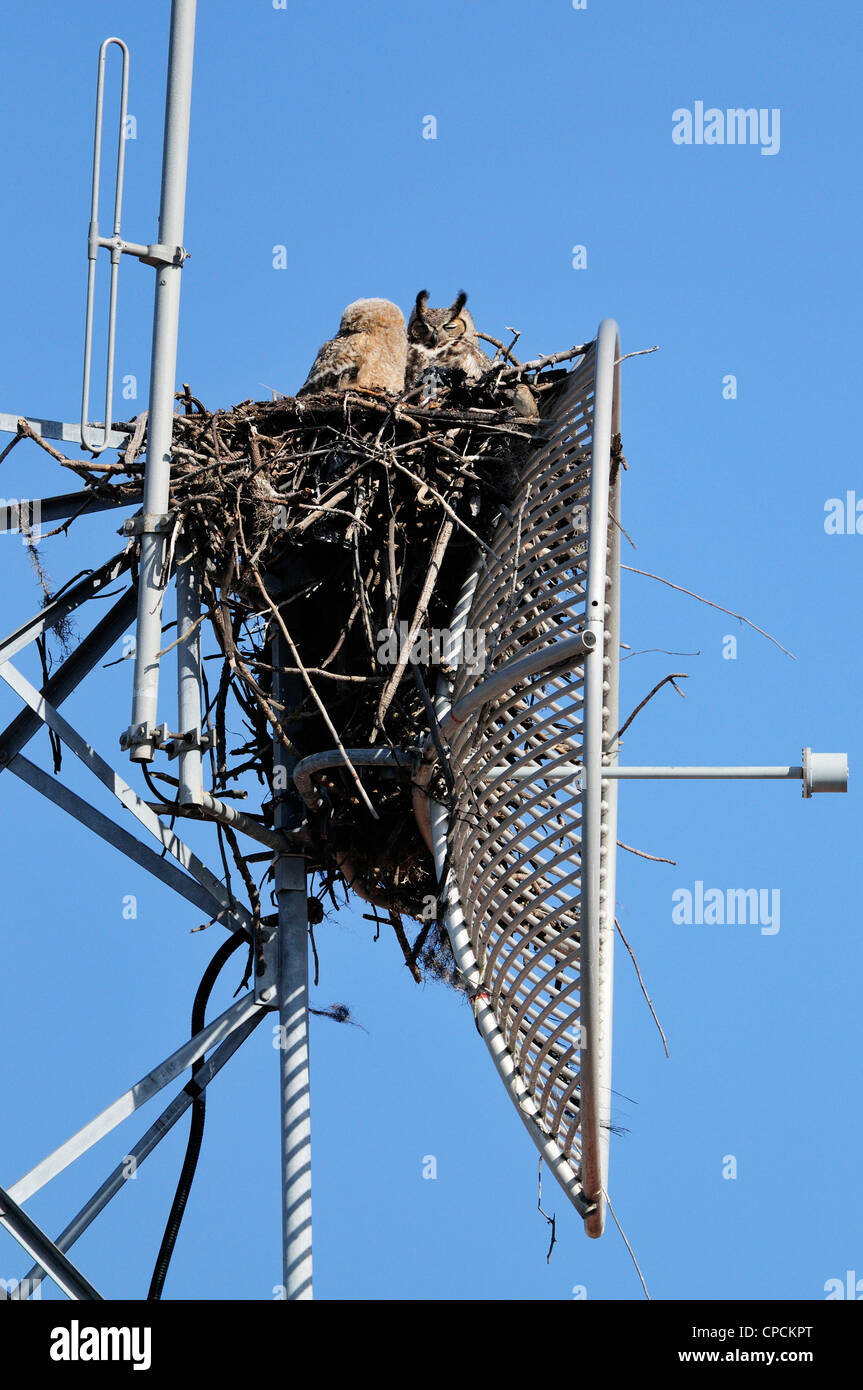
<point x="527" y="859"/>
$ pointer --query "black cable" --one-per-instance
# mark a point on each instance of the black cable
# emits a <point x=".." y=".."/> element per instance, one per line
<point x="196" y="1129"/>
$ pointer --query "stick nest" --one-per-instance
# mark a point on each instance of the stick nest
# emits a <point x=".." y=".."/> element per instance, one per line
<point x="329" y="522"/>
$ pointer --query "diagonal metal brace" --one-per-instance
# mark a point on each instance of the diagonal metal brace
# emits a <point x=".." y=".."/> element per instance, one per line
<point x="37" y="1244"/>
<point x="238" y="916"/>
<point x="136" y="1096"/>
<point x="157" y="1131"/>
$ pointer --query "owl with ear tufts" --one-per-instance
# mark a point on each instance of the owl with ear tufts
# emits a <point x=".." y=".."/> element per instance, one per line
<point x="443" y="338"/>
<point x="368" y="353"/>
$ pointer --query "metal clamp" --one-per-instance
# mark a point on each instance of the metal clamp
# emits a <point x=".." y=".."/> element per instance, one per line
<point x="266" y="961"/>
<point x="192" y="742"/>
<point x="144" y="524"/>
<point x="155" y="254"/>
<point x="138" y="734"/>
<point x="158" y="255"/>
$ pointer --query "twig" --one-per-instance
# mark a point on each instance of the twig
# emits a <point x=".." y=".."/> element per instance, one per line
<point x="446" y="506"/>
<point x="133" y="448"/>
<point x="404" y="944"/>
<point x="552" y="1220"/>
<point x="177" y="640"/>
<point x="507" y="351"/>
<point x="312" y="691"/>
<point x="676" y="675"/>
<point x="432" y="572"/>
<point x="548" y="360"/>
<point x="640" y="353"/>
<point x="642" y="854"/>
<point x="711" y="604"/>
<point x="645" y="651"/>
<point x="623" y="531"/>
<point x="627" y="1244"/>
<point x="12" y="442"/>
<point x="80" y="466"/>
<point x="643" y="990"/>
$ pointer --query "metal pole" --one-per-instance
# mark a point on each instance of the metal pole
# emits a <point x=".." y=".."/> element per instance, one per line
<point x="593" y="1108"/>
<point x="595" y="1222"/>
<point x="166" y="315"/>
<point x="750" y="773"/>
<point x="190" y="770"/>
<point x="293" y="1000"/>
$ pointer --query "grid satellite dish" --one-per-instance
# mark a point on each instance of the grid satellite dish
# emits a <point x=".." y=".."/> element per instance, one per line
<point x="526" y="856"/>
<point x="524" y="843"/>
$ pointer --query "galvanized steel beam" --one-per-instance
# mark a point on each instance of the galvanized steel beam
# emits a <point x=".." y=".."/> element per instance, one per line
<point x="132" y="1161"/>
<point x="237" y="917"/>
<point x="102" y="825"/>
<point x="59" y="608"/>
<point x="68" y="676"/>
<point x="132" y="1099"/>
<point x="36" y="1243"/>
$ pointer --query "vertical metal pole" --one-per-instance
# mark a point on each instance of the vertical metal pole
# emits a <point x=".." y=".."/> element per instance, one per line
<point x="293" y="988"/>
<point x="162" y="374"/>
<point x="595" y="1223"/>
<point x="190" y="771"/>
<point x="594" y="672"/>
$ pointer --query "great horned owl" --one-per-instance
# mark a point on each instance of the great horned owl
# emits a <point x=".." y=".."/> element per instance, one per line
<point x="443" y="338"/>
<point x="369" y="351"/>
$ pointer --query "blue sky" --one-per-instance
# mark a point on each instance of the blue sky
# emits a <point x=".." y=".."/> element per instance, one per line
<point x="554" y="130"/>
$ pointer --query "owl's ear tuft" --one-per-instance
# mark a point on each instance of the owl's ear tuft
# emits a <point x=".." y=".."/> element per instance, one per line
<point x="458" y="304"/>
<point x="422" y="301"/>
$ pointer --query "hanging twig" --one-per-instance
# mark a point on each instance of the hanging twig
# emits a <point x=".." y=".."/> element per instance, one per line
<point x="711" y="604"/>
<point x="643" y="990"/>
<point x="552" y="1220"/>
<point x="627" y="1244"/>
